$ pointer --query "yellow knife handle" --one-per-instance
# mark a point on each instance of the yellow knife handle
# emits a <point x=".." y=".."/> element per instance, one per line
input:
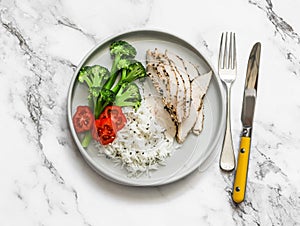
<point x="240" y="180"/>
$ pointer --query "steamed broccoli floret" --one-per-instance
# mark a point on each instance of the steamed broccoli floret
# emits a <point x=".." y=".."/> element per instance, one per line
<point x="123" y="54"/>
<point x="128" y="96"/>
<point x="95" y="77"/>
<point x="119" y="50"/>
<point x="124" y="63"/>
<point x="134" y="71"/>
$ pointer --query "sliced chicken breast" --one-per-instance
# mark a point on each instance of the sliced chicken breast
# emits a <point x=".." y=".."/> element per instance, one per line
<point x="182" y="90"/>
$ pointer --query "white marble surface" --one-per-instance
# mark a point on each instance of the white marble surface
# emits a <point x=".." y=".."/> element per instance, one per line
<point x="45" y="181"/>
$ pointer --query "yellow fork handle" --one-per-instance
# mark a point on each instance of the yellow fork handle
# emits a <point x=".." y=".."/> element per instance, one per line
<point x="240" y="180"/>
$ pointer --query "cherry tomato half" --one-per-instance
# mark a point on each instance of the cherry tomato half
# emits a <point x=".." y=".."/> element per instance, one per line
<point x="116" y="115"/>
<point x="83" y="119"/>
<point x="104" y="131"/>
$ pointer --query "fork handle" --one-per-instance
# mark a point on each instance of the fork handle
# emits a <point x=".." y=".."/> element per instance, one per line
<point x="227" y="159"/>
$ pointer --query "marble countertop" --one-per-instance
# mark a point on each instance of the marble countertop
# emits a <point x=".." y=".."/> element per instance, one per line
<point x="44" y="179"/>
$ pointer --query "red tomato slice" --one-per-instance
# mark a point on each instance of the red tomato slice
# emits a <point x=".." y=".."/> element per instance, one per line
<point x="104" y="131"/>
<point x="116" y="115"/>
<point x="83" y="119"/>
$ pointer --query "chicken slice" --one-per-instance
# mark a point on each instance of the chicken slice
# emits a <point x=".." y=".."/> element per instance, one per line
<point x="176" y="87"/>
<point x="197" y="129"/>
<point x="162" y="117"/>
<point x="181" y="90"/>
<point x="172" y="86"/>
<point x="191" y="70"/>
<point x="180" y="67"/>
<point x="203" y="84"/>
<point x="161" y="81"/>
<point x="184" y="128"/>
<point x="157" y="77"/>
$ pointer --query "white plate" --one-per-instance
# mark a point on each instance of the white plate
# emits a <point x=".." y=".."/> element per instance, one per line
<point x="196" y="151"/>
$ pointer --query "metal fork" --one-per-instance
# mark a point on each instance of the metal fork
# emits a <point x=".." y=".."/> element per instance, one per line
<point x="227" y="73"/>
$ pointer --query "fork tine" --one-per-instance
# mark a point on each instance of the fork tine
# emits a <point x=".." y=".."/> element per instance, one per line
<point x="230" y="61"/>
<point x="234" y="52"/>
<point x="221" y="53"/>
<point x="225" y="60"/>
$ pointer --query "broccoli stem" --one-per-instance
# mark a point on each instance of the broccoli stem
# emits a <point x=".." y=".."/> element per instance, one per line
<point x="100" y="107"/>
<point x="86" y="140"/>
<point x="94" y="104"/>
<point x="114" y="67"/>
<point x="117" y="87"/>
<point x="97" y="107"/>
<point x="104" y="106"/>
<point x="113" y="74"/>
<point x="124" y="72"/>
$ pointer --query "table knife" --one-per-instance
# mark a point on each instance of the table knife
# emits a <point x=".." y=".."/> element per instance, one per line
<point x="248" y="108"/>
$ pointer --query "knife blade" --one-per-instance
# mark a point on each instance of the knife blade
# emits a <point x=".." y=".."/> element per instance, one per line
<point x="249" y="100"/>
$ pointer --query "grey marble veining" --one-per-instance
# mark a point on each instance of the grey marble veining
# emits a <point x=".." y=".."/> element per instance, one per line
<point x="286" y="32"/>
<point x="44" y="180"/>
